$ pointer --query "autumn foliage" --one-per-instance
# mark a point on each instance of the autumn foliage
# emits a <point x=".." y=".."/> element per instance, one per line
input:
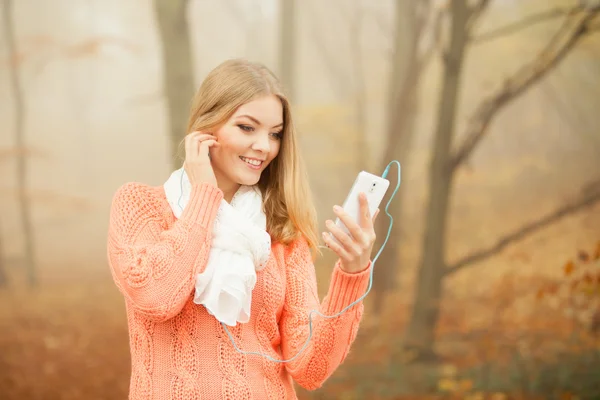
<point x="525" y="337"/>
<point x="528" y="337"/>
<point x="576" y="294"/>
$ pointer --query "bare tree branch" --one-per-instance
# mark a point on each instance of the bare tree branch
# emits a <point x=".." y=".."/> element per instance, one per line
<point x="475" y="12"/>
<point x="587" y="199"/>
<point x="20" y="141"/>
<point x="590" y="4"/>
<point x="565" y="39"/>
<point x="591" y="187"/>
<point x="436" y="44"/>
<point x="479" y="7"/>
<point x="524" y="23"/>
<point x="422" y="10"/>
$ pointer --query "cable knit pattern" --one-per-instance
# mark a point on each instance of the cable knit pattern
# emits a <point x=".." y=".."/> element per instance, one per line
<point x="331" y="336"/>
<point x="233" y="365"/>
<point x="141" y="349"/>
<point x="267" y="330"/>
<point x="178" y="350"/>
<point x="185" y="357"/>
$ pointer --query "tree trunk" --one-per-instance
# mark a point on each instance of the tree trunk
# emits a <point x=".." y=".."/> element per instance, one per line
<point x="287" y="47"/>
<point x="401" y="116"/>
<point x="425" y="311"/>
<point x="3" y="277"/>
<point x="398" y="148"/>
<point x="22" y="170"/>
<point x="360" y="92"/>
<point x="178" y="72"/>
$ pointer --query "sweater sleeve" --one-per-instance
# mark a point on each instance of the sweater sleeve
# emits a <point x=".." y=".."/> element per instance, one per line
<point x="331" y="337"/>
<point x="154" y="267"/>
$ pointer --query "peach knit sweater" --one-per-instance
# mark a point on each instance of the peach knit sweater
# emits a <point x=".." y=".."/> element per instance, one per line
<point x="178" y="350"/>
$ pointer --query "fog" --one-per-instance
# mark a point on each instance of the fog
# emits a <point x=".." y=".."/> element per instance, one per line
<point x="84" y="87"/>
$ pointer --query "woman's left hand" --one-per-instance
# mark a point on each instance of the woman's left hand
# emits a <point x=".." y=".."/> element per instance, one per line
<point x="355" y="249"/>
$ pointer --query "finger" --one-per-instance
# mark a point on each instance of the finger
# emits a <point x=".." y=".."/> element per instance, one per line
<point x="375" y="215"/>
<point x="193" y="136"/>
<point x="204" y="145"/>
<point x="333" y="245"/>
<point x="202" y="138"/>
<point x="198" y="133"/>
<point x="365" y="215"/>
<point x="353" y="227"/>
<point x="346" y="240"/>
<point x="205" y="136"/>
<point x="210" y="143"/>
<point x="196" y="142"/>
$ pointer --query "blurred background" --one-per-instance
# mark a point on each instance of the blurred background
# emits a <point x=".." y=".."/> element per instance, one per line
<point x="489" y="287"/>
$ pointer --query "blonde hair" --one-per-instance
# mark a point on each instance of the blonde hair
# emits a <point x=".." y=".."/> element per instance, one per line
<point x="287" y="199"/>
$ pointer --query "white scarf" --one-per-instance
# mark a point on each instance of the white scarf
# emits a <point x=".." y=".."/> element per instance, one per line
<point x="240" y="247"/>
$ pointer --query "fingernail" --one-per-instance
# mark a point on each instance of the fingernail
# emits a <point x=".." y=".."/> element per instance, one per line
<point x="337" y="208"/>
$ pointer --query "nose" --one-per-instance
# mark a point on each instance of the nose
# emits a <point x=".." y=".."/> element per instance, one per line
<point x="262" y="143"/>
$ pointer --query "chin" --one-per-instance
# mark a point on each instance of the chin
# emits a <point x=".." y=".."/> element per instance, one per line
<point x="248" y="178"/>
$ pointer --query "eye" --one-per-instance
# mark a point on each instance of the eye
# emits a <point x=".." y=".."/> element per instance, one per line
<point x="277" y="135"/>
<point x="246" y="128"/>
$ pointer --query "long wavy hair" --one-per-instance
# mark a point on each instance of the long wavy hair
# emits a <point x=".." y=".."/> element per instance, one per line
<point x="287" y="199"/>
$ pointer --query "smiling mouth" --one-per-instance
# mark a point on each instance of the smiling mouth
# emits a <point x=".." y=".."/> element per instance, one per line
<point x="252" y="162"/>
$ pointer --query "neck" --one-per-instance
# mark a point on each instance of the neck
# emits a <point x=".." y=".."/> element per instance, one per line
<point x="228" y="188"/>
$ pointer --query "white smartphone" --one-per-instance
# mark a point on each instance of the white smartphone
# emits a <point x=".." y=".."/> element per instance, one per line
<point x="373" y="186"/>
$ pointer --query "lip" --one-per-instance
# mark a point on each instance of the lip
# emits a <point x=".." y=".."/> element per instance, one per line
<point x="255" y="159"/>
<point x="253" y="167"/>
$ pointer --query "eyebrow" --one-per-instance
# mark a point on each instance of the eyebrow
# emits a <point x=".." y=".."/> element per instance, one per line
<point x="257" y="122"/>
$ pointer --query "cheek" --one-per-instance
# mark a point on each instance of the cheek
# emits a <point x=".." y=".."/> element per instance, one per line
<point x="222" y="155"/>
<point x="275" y="148"/>
<point x="230" y="141"/>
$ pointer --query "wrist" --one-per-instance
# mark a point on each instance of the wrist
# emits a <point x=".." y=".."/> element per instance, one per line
<point x="354" y="269"/>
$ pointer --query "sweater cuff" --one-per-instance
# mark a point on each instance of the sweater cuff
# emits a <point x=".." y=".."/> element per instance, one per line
<point x="345" y="288"/>
<point x="205" y="200"/>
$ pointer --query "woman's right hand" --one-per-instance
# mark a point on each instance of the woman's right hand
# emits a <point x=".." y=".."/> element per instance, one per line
<point x="197" y="162"/>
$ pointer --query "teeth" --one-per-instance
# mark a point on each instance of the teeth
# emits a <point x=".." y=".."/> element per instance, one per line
<point x="252" y="162"/>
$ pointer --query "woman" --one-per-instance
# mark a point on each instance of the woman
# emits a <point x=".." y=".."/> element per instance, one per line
<point x="216" y="265"/>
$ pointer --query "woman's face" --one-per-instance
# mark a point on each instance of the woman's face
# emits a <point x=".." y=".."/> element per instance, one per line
<point x="249" y="141"/>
